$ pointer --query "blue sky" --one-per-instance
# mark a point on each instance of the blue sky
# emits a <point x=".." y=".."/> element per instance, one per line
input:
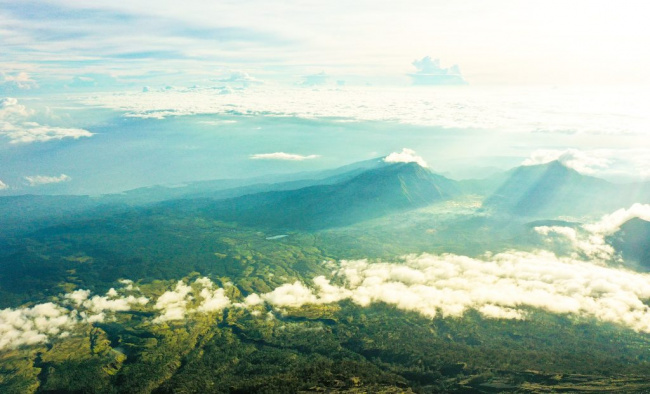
<point x="107" y="95"/>
<point x="113" y="44"/>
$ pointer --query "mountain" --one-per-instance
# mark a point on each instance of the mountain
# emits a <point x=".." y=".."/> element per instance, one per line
<point x="229" y="188"/>
<point x="28" y="212"/>
<point x="553" y="189"/>
<point x="370" y="194"/>
<point x="633" y="241"/>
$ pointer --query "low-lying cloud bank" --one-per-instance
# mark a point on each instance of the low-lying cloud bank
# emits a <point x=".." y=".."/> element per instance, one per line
<point x="174" y="304"/>
<point x="36" y="325"/>
<point x="506" y="285"/>
<point x="282" y="156"/>
<point x="15" y="125"/>
<point x="518" y="110"/>
<point x="42" y="322"/>
<point x="36" y="180"/>
<point x="589" y="241"/>
<point x="502" y="286"/>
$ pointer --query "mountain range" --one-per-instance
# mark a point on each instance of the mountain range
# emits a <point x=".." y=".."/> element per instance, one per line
<point x="344" y="196"/>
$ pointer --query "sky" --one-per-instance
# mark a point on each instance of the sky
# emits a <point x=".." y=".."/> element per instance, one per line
<point x="71" y="44"/>
<point x="106" y="96"/>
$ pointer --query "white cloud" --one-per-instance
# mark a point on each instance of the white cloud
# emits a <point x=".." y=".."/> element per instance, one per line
<point x="30" y="326"/>
<point x="499" y="286"/>
<point x="514" y="109"/>
<point x="590" y="242"/>
<point x="315" y="79"/>
<point x="429" y="72"/>
<point x="40" y="323"/>
<point x="176" y="303"/>
<point x="241" y="77"/>
<point x="405" y="156"/>
<point x="581" y="161"/>
<point x="282" y="156"/>
<point x="3" y="186"/>
<point x="15" y="125"/>
<point x="213" y="300"/>
<point x="10" y="109"/>
<point x="609" y="224"/>
<point x="16" y="81"/>
<point x="36" y="180"/>
<point x="173" y="303"/>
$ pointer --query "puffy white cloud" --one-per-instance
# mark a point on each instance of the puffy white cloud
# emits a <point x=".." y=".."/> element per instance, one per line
<point x="590" y="242"/>
<point x="28" y="132"/>
<point x="282" y="156"/>
<point x="584" y="162"/>
<point x="213" y="300"/>
<point x="40" y="323"/>
<point x="429" y="72"/>
<point x="175" y="304"/>
<point x="30" y="326"/>
<point x="405" y="156"/>
<point x="15" y="125"/>
<point x="315" y="79"/>
<point x="10" y="109"/>
<point x="16" y="81"/>
<point x="241" y="77"/>
<point x="3" y="186"/>
<point x="291" y="295"/>
<point x="78" y="296"/>
<point x="36" y="180"/>
<point x="609" y="224"/>
<point x="497" y="286"/>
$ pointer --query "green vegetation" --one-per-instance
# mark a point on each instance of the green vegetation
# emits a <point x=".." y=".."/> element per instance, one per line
<point x="333" y="347"/>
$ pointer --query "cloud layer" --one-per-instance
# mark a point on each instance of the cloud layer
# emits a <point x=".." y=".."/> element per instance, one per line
<point x="16" y="126"/>
<point x="502" y="286"/>
<point x="37" y="180"/>
<point x="175" y="304"/>
<point x="589" y="240"/>
<point x="578" y="160"/>
<point x="40" y="323"/>
<point x="282" y="156"/>
<point x="16" y="81"/>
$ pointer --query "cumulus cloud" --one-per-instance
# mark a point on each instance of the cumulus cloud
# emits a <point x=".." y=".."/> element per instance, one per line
<point x="282" y="156"/>
<point x="175" y="304"/>
<point x="583" y="162"/>
<point x="589" y="240"/>
<point x="42" y="322"/>
<point x="15" y="125"/>
<point x="16" y="81"/>
<point x="36" y="180"/>
<point x="315" y="79"/>
<point x="30" y="326"/>
<point x="3" y="186"/>
<point x="405" y="156"/>
<point x="241" y="77"/>
<point x="429" y="72"/>
<point x="609" y="224"/>
<point x="501" y="286"/>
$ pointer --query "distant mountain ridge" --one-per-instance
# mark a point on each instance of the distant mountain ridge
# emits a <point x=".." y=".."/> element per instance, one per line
<point x="342" y="196"/>
<point x="633" y="241"/>
<point x="370" y="194"/>
<point x="554" y="189"/>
